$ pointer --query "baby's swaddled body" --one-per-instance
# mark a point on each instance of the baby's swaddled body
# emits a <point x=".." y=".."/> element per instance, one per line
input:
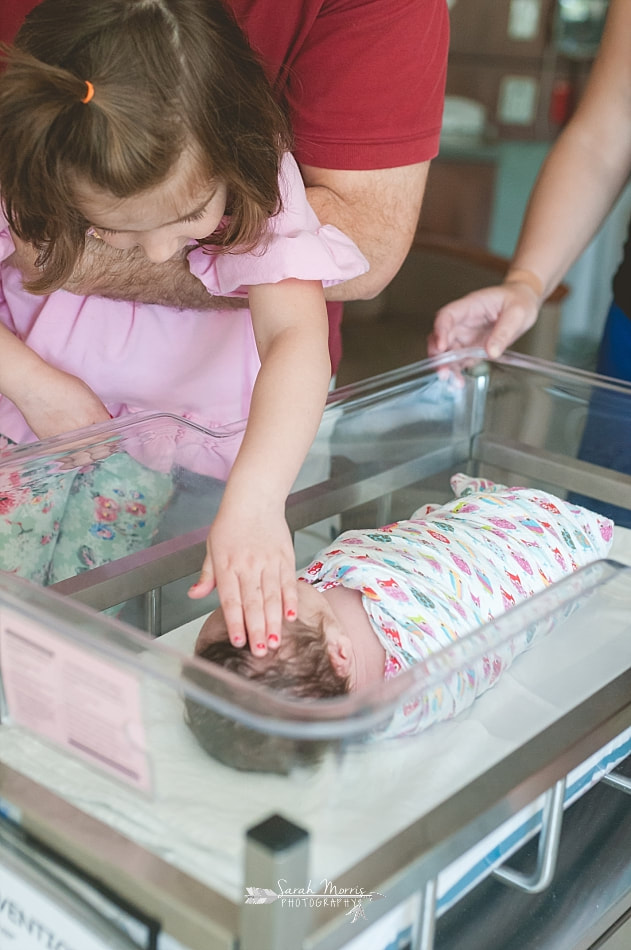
<point x="428" y="581"/>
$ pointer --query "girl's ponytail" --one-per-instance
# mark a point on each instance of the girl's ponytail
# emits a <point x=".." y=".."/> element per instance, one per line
<point x="40" y="115"/>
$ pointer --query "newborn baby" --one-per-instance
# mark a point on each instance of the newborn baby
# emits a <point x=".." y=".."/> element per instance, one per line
<point x="375" y="602"/>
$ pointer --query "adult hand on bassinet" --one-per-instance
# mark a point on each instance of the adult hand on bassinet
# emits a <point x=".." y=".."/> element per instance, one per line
<point x="493" y="318"/>
<point x="250" y="560"/>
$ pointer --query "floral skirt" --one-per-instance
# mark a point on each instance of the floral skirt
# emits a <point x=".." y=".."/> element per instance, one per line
<point x="55" y="524"/>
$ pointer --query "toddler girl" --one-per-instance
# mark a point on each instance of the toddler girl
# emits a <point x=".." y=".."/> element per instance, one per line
<point x="149" y="125"/>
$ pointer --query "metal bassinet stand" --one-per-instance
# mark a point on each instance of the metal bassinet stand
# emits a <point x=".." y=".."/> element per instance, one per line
<point x="388" y="444"/>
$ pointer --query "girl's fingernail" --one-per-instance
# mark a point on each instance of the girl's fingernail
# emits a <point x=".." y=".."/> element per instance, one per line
<point x="238" y="641"/>
<point x="260" y="646"/>
<point x="272" y="638"/>
<point x="290" y="614"/>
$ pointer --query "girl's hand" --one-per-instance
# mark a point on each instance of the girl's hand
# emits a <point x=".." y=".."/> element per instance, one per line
<point x="250" y="560"/>
<point x="493" y="318"/>
<point x="59" y="403"/>
<point x="250" y="557"/>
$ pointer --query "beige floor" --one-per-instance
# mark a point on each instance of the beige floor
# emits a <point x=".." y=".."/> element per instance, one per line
<point x="374" y="345"/>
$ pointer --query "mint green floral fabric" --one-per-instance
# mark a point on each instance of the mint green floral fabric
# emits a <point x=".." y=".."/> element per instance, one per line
<point x="55" y="524"/>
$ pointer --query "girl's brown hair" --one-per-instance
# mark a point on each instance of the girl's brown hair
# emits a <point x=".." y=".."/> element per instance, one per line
<point x="167" y="75"/>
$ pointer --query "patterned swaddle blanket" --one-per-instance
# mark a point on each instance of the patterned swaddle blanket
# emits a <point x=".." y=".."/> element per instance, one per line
<point x="429" y="580"/>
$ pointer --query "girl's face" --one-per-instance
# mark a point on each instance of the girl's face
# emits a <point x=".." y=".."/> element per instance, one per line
<point x="160" y="221"/>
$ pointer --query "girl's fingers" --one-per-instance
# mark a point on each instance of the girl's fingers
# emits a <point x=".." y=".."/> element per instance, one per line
<point x="205" y="585"/>
<point x="289" y="593"/>
<point x="233" y="610"/>
<point x="273" y="608"/>
<point x="253" y="615"/>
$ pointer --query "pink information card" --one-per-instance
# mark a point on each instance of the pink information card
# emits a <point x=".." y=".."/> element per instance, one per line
<point x="71" y="697"/>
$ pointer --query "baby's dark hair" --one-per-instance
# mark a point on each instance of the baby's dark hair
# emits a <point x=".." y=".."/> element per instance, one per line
<point x="168" y="75"/>
<point x="301" y="669"/>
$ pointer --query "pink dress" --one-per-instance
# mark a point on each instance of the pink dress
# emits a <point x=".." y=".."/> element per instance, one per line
<point x="198" y="364"/>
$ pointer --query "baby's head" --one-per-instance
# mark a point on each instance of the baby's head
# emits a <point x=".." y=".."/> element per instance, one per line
<point x="301" y="667"/>
<point x="306" y="665"/>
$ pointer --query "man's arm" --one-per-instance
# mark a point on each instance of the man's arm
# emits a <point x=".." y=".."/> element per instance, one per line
<point x="378" y="209"/>
<point x="104" y="271"/>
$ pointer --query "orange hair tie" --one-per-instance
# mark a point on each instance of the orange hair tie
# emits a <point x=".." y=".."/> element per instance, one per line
<point x="89" y="91"/>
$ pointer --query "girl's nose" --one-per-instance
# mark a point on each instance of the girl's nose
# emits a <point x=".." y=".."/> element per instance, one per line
<point x="159" y="248"/>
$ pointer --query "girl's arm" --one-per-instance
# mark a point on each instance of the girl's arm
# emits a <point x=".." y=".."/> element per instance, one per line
<point x="250" y="557"/>
<point x="577" y="187"/>
<point x="50" y="400"/>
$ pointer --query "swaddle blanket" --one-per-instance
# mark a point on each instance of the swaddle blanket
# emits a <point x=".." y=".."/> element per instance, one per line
<point x="428" y="581"/>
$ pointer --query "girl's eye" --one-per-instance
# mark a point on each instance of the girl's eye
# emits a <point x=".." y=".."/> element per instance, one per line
<point x="195" y="217"/>
<point x="99" y="232"/>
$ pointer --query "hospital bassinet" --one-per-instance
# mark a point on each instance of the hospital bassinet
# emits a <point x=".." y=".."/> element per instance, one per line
<point x="116" y="816"/>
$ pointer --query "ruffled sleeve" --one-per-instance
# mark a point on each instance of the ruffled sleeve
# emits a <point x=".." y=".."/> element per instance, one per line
<point x="298" y="246"/>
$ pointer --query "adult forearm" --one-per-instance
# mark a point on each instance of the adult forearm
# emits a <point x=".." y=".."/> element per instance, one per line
<point x="378" y="210"/>
<point x="589" y="164"/>
<point x="331" y="208"/>
<point x="104" y="271"/>
<point x="571" y="199"/>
